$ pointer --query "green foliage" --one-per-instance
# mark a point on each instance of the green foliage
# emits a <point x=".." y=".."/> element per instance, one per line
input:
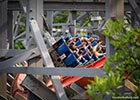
<point x="126" y="42"/>
<point x="21" y="29"/>
<point x="83" y="33"/>
<point x="87" y="22"/>
<point x="105" y="85"/>
<point x="60" y="19"/>
<point x="23" y="19"/>
<point x="18" y="45"/>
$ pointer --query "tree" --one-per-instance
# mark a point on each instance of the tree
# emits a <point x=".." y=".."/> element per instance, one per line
<point x="125" y="63"/>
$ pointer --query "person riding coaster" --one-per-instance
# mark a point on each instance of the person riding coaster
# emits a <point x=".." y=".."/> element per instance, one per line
<point x="96" y="50"/>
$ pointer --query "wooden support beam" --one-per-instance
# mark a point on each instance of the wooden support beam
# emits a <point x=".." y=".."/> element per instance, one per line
<point x="116" y="8"/>
<point x="37" y="62"/>
<point x="130" y="85"/>
<point x="50" y="21"/>
<point x="3" y="43"/>
<point x="72" y="28"/>
<point x="19" y="96"/>
<point x="34" y="11"/>
<point x="10" y="29"/>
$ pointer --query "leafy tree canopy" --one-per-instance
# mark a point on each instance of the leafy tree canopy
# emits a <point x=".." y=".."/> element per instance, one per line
<point x="124" y="64"/>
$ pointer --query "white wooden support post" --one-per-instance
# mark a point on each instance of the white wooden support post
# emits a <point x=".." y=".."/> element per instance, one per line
<point x="72" y="28"/>
<point x="34" y="11"/>
<point x="47" y="59"/>
<point x="50" y="21"/>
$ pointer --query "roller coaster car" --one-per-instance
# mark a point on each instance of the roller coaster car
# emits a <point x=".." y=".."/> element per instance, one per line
<point x="62" y="56"/>
<point x="67" y="58"/>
